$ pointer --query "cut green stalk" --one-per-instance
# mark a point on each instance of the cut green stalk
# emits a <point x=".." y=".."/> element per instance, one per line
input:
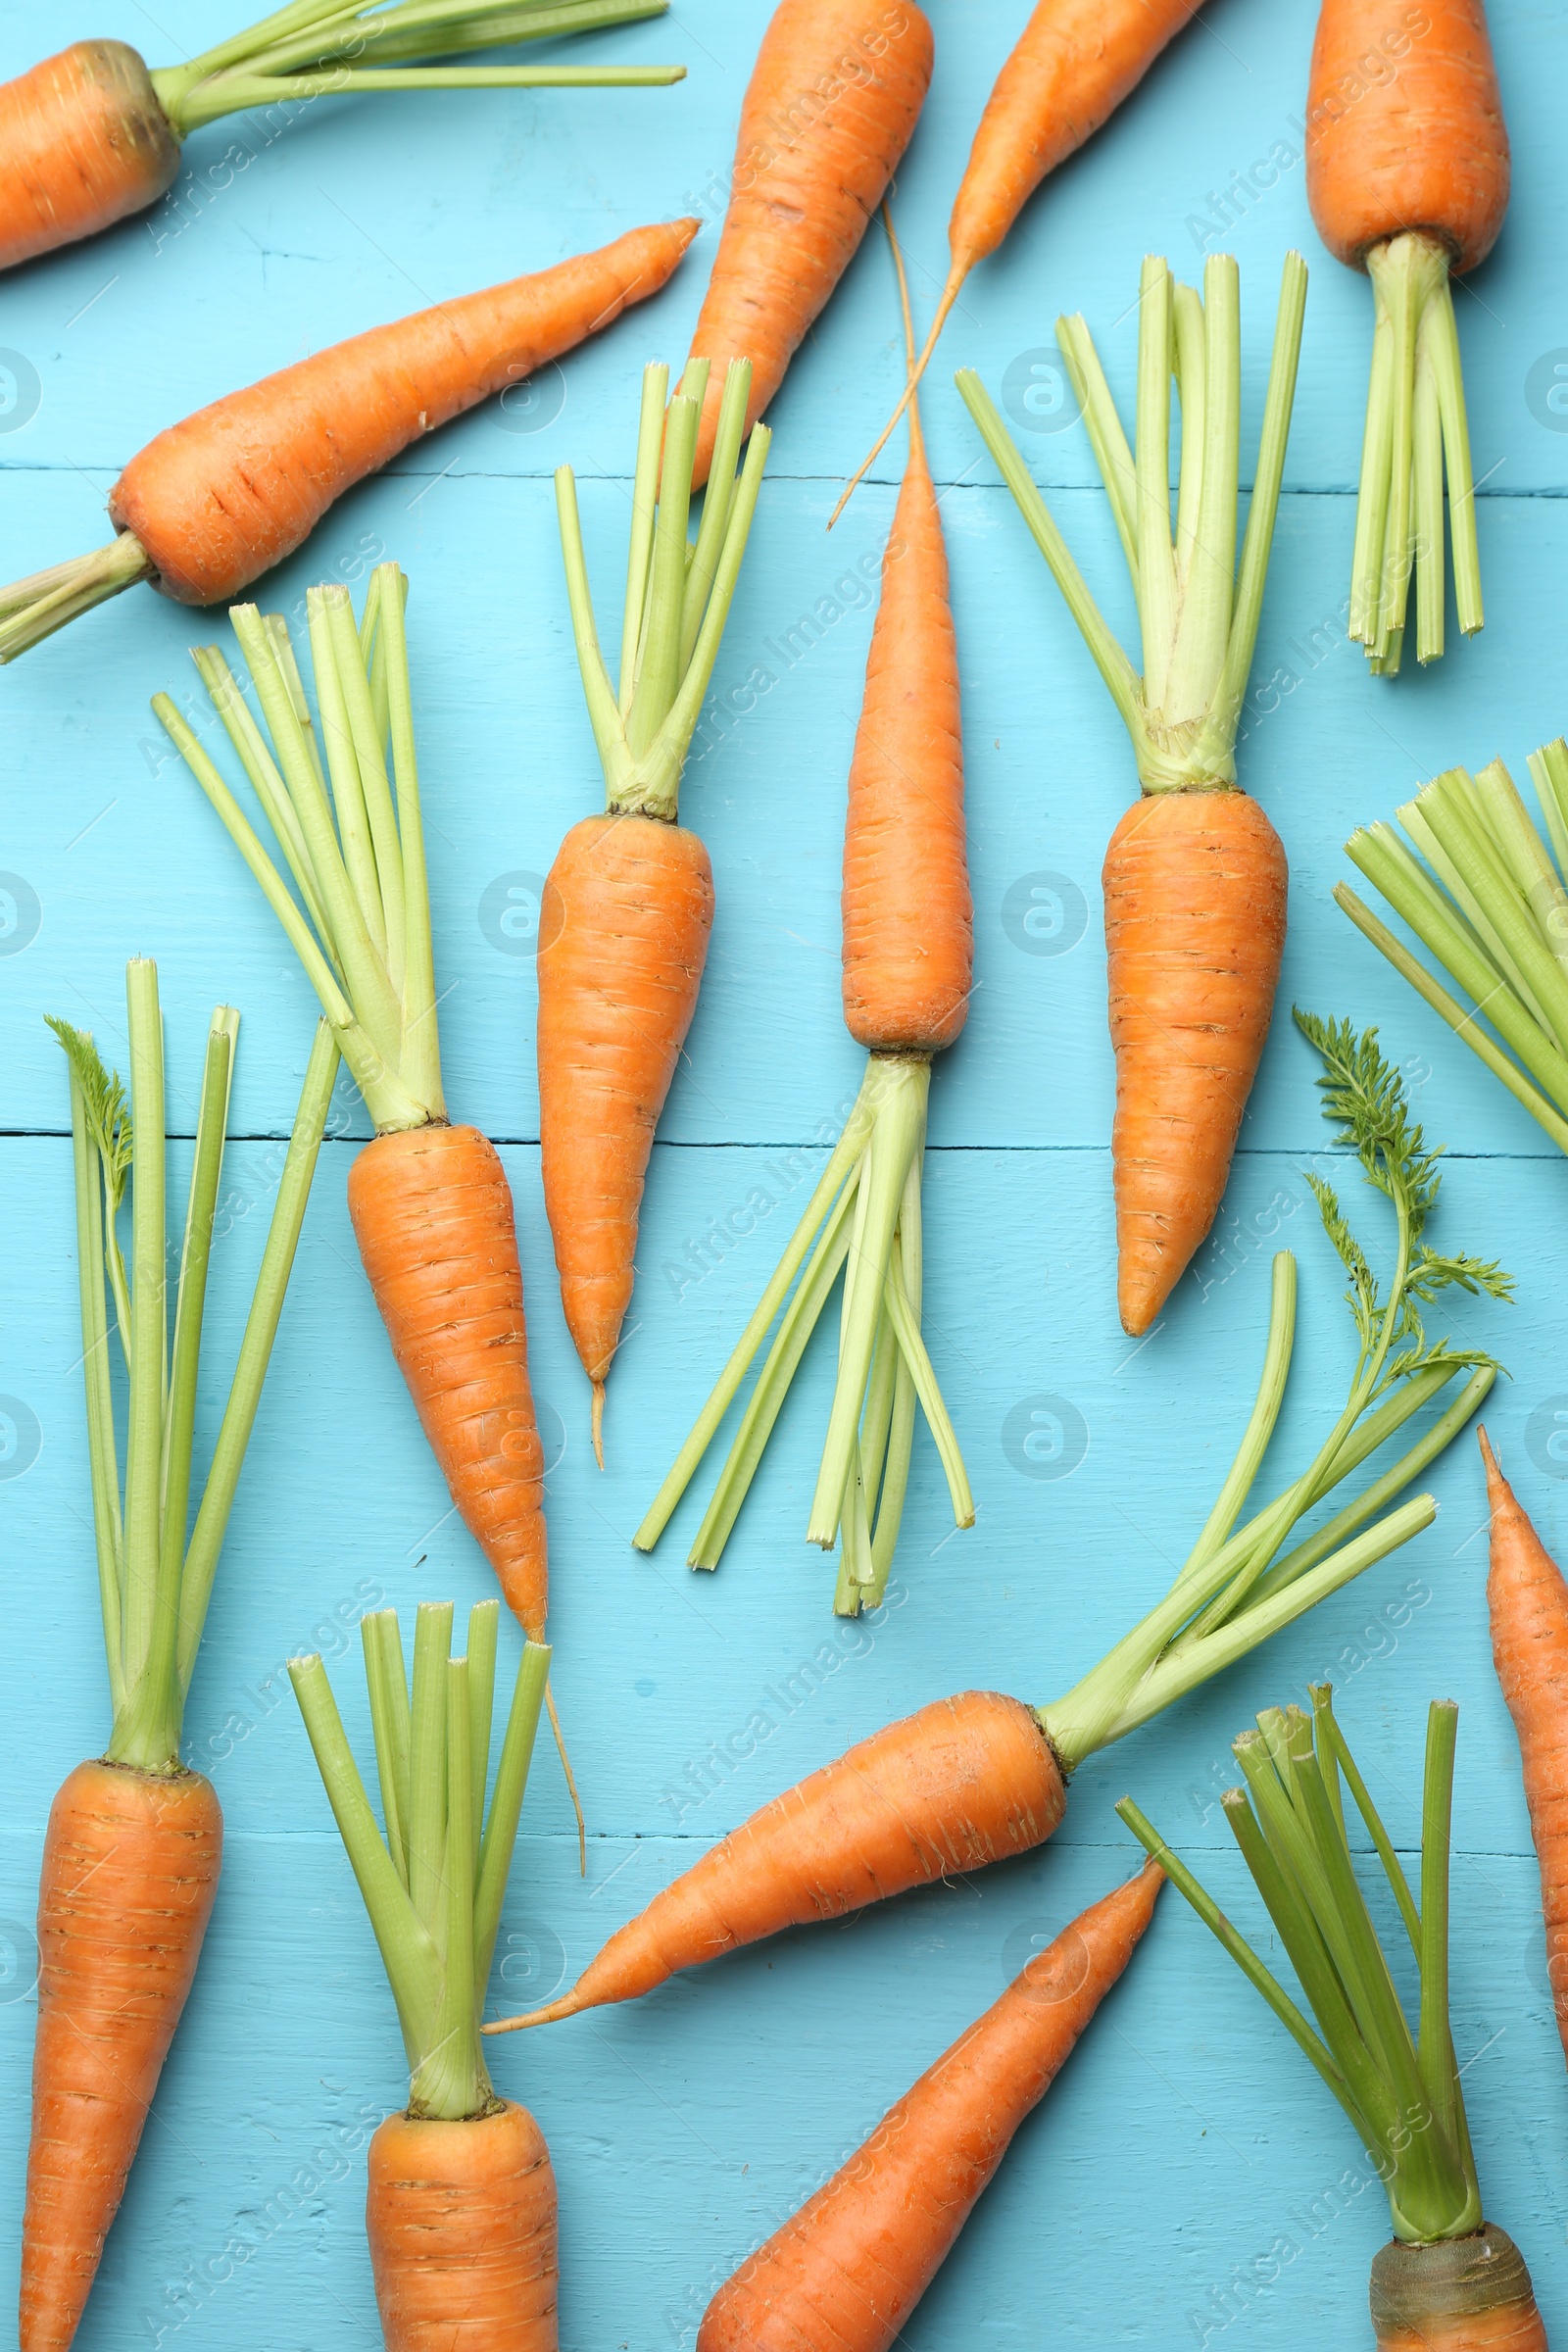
<point x="305" y="51"/>
<point x="1484" y="893"/>
<point x="1416" y="430"/>
<point x="1237" y="1589"/>
<point x="1400" y="2090"/>
<point x="153" y="1579"/>
<point x="434" y="1902"/>
<point x="355" y="854"/>
<point x="1198" y="608"/>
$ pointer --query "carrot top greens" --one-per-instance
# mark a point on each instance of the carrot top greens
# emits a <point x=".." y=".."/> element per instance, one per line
<point x="318" y="48"/>
<point x="155" y="1579"/>
<point x="1398" y="2086"/>
<point x="1237" y="1588"/>
<point x="1198" y="610"/>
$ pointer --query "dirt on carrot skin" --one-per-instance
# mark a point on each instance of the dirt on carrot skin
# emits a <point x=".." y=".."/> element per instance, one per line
<point x="1463" y="2294"/>
<point x="131" y="1867"/>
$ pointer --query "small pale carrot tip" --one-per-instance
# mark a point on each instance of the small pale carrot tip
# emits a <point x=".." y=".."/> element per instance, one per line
<point x="599" y="1423"/>
<point x="566" y="2006"/>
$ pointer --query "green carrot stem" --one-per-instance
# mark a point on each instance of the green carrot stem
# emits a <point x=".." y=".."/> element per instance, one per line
<point x="389" y="1728"/>
<point x="1278" y="1350"/>
<point x="912" y="1351"/>
<point x="844" y="1157"/>
<point x="1155" y="577"/>
<point x="1334" y="1757"/>
<point x="484" y="1627"/>
<point x="1117" y="467"/>
<point x="449" y="2082"/>
<point x="256" y="1348"/>
<point x="658" y="663"/>
<point x="146" y="1353"/>
<point x="343" y="768"/>
<point x="237" y="93"/>
<point x="102" y="1464"/>
<point x="640" y="540"/>
<point x="267" y="783"/>
<point x="432" y="1646"/>
<point x="506" y="1807"/>
<point x="1268" y="476"/>
<point x="718" y="502"/>
<point x="369" y="738"/>
<point x="1203" y="625"/>
<point x="1436" y="1809"/>
<point x="408" y="1951"/>
<point x="420" y="1063"/>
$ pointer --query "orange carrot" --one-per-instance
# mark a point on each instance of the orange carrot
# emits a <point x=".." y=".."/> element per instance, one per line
<point x="134" y="1840"/>
<point x="460" y="2207"/>
<point x="130" y="1865"/>
<point x="1407" y="177"/>
<point x="850" y="2266"/>
<point x="212" y="503"/>
<point x="908" y="961"/>
<point x="1195" y="891"/>
<point x="1074" y="63"/>
<point x="90" y="136"/>
<point x="462" y="2222"/>
<point x="1528" y="1604"/>
<point x="432" y="1214"/>
<point x="1195" y="876"/>
<point x="832" y="103"/>
<point x="975" y="1778"/>
<point x="628" y="904"/>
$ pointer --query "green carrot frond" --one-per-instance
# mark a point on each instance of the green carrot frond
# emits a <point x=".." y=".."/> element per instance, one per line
<point x="1366" y="1099"/>
<point x="103" y="1094"/>
<point x="1362" y="1295"/>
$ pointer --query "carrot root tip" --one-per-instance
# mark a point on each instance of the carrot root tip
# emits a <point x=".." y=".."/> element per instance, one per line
<point x="599" y="1423"/>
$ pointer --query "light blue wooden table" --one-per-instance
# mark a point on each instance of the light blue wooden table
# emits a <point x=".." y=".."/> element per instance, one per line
<point x="1188" y="2181"/>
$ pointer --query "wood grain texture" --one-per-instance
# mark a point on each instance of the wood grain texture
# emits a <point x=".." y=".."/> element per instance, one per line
<point x="1188" y="2155"/>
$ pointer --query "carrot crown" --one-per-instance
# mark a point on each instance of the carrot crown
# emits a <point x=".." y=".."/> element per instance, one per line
<point x="153" y="1580"/>
<point x="1486" y="895"/>
<point x="1399" y="2087"/>
<point x="1237" y="1587"/>
<point x="318" y="48"/>
<point x="433" y="1883"/>
<point x="677" y="593"/>
<point x="1198" y="610"/>
<point x="361" y="924"/>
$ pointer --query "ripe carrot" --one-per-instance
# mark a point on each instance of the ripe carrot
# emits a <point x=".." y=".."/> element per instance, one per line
<point x="92" y="136"/>
<point x="1528" y="1604"/>
<point x="135" y="1841"/>
<point x="1448" y="2277"/>
<point x="974" y="1779"/>
<point x="850" y="2266"/>
<point x="832" y="103"/>
<point x="1195" y="876"/>
<point x="462" y="2222"/>
<point x="460" y="2205"/>
<point x="909" y="948"/>
<point x="130" y="1865"/>
<point x="1074" y="63"/>
<point x="1195" y="890"/>
<point x="1407" y="177"/>
<point x="214" y="501"/>
<point x="628" y="904"/>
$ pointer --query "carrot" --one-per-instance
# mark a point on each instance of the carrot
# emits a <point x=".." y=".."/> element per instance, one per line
<point x="1407" y="177"/>
<point x="135" y="1841"/>
<point x="430" y="1204"/>
<point x="214" y="501"/>
<point x="130" y="1865"/>
<point x="850" y="2266"/>
<point x="460" y="2206"/>
<point x="628" y="904"/>
<point x="978" y="1778"/>
<point x="1074" y="63"/>
<point x="1528" y="1604"/>
<point x="92" y="136"/>
<point x="908" y="949"/>
<point x="831" y="105"/>
<point x="1194" y="875"/>
<point x="1449" y="2278"/>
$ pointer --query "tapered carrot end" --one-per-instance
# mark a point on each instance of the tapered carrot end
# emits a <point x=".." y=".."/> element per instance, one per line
<point x="1141" y="1290"/>
<point x="599" y="1423"/>
<point x="568" y="2005"/>
<point x="1497" y="1484"/>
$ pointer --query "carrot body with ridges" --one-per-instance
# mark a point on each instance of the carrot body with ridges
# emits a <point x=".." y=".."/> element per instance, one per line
<point x="433" y="1217"/>
<point x="129" y="1874"/>
<point x="461" y="2219"/>
<point x="1527" y="1600"/>
<point x="624" y="930"/>
<point x="850" y="2266"/>
<point x="1195" y="894"/>
<point x="84" y="142"/>
<point x="830" y="108"/>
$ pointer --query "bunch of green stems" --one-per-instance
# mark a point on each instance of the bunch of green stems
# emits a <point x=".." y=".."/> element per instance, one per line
<point x="1416" y="427"/>
<point x="155" y="1579"/>
<point x="320" y="48"/>
<point x="1480" y="889"/>
<point x="1399" y="2087"/>
<point x="433" y="1883"/>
